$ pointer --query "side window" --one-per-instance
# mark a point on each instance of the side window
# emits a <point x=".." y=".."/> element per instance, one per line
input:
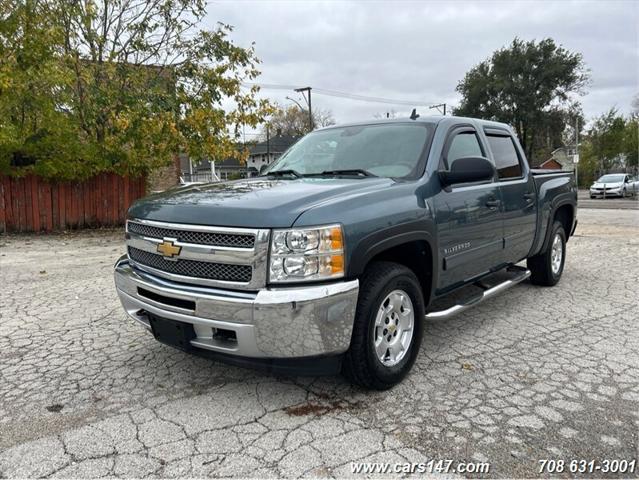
<point x="464" y="144"/>
<point x="506" y="157"/>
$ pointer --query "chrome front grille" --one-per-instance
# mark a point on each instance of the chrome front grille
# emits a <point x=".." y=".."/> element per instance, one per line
<point x="202" y="255"/>
<point x="190" y="268"/>
<point x="215" y="239"/>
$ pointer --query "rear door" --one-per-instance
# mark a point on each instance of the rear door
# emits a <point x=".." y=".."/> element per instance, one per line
<point x="518" y="194"/>
<point x="468" y="216"/>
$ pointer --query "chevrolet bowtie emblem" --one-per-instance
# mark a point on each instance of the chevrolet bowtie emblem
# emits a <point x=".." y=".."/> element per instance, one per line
<point x="168" y="249"/>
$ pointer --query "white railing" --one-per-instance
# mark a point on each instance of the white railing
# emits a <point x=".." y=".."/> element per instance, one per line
<point x="205" y="177"/>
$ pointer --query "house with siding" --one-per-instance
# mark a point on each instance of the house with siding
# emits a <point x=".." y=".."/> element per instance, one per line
<point x="266" y="152"/>
<point x="560" y="159"/>
<point x="261" y="154"/>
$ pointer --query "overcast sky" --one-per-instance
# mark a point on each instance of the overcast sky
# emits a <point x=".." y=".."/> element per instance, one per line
<point x="420" y="50"/>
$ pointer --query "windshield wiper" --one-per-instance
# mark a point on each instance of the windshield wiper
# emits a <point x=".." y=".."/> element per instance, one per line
<point x="281" y="173"/>
<point x="348" y="171"/>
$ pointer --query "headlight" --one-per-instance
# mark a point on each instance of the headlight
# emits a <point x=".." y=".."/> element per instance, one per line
<point x="307" y="254"/>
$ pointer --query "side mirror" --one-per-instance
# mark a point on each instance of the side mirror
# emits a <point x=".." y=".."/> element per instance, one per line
<point x="466" y="170"/>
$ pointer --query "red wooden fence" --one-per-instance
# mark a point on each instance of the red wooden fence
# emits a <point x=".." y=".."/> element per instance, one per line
<point x="31" y="204"/>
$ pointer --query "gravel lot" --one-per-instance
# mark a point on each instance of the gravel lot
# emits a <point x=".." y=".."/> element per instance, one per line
<point x="534" y="374"/>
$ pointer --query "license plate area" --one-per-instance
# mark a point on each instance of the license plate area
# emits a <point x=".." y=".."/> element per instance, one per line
<point x="170" y="332"/>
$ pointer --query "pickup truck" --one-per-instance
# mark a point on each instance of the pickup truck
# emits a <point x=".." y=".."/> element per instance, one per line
<point x="336" y="258"/>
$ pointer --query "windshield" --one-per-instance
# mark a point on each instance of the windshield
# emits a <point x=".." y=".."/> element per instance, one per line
<point x="386" y="150"/>
<point x="611" y="179"/>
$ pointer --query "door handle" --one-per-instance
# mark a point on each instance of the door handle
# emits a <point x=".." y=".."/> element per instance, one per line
<point x="492" y="204"/>
<point x="529" y="196"/>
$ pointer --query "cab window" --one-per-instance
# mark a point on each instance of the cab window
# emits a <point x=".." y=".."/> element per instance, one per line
<point x="463" y="144"/>
<point x="506" y="157"/>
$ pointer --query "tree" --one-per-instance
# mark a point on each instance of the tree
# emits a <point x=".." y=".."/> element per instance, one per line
<point x="611" y="144"/>
<point x="133" y="84"/>
<point x="631" y="136"/>
<point x="631" y="143"/>
<point x="293" y="121"/>
<point x="528" y="85"/>
<point x="33" y="123"/>
<point x="607" y="137"/>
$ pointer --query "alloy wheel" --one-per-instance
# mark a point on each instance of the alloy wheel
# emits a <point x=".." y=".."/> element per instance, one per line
<point x="557" y="254"/>
<point x="394" y="326"/>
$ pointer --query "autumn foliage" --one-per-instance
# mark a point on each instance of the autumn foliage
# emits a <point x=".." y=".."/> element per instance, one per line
<point x="118" y="86"/>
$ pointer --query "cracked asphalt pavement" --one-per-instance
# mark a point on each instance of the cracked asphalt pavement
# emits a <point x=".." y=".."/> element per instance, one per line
<point x="536" y="373"/>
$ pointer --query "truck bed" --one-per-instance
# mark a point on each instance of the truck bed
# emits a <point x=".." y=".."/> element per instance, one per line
<point x="549" y="171"/>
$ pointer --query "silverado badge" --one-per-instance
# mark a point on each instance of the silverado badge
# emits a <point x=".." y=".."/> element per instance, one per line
<point x="168" y="249"/>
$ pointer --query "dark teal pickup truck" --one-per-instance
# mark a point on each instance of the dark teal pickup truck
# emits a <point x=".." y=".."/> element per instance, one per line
<point x="339" y="255"/>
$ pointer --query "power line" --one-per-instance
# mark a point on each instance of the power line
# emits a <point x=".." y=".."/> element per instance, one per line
<point x="336" y="93"/>
<point x="365" y="98"/>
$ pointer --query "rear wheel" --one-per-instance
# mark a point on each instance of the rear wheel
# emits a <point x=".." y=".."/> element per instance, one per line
<point x="547" y="267"/>
<point x="388" y="327"/>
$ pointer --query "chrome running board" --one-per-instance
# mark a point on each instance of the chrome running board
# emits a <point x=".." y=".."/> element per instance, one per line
<point x="521" y="274"/>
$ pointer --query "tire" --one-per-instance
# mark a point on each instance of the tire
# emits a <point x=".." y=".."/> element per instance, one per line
<point x="378" y="288"/>
<point x="624" y="193"/>
<point x="545" y="268"/>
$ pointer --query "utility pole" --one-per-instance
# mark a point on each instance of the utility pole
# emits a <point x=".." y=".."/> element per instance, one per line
<point x="310" y="111"/>
<point x="268" y="144"/>
<point x="308" y="102"/>
<point x="438" y="106"/>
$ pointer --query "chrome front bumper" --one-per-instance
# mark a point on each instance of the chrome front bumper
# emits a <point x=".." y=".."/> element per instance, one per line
<point x="294" y="322"/>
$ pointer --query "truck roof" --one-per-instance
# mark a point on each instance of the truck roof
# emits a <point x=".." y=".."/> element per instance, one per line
<point x="430" y="119"/>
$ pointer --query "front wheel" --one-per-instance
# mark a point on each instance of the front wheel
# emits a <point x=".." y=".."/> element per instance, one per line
<point x="547" y="267"/>
<point x="388" y="327"/>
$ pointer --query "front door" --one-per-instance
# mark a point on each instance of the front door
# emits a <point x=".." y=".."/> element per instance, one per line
<point x="468" y="218"/>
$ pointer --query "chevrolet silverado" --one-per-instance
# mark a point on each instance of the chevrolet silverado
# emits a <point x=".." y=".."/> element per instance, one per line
<point x="340" y="254"/>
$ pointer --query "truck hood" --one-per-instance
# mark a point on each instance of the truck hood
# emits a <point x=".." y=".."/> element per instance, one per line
<point x="253" y="203"/>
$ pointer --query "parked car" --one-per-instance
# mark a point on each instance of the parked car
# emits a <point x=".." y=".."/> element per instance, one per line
<point x="633" y="185"/>
<point x="333" y="259"/>
<point x="614" y="185"/>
